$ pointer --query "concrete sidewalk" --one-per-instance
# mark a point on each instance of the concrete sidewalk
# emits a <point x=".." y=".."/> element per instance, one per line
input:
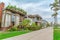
<point x="43" y="34"/>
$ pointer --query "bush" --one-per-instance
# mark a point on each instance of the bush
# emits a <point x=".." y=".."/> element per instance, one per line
<point x="31" y="27"/>
<point x="25" y="25"/>
<point x="34" y="27"/>
<point x="25" y="22"/>
<point x="14" y="28"/>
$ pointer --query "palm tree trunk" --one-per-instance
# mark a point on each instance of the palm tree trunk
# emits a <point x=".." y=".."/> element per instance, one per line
<point x="55" y="20"/>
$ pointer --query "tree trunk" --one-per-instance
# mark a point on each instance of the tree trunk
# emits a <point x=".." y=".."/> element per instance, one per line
<point x="55" y="20"/>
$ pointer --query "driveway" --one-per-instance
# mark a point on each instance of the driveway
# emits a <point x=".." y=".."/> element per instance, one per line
<point x="43" y="34"/>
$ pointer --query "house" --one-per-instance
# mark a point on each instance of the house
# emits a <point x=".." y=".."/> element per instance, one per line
<point x="11" y="15"/>
<point x="34" y="18"/>
<point x="38" y="20"/>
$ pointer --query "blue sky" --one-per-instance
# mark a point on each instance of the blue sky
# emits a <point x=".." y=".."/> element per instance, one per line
<point x="40" y="7"/>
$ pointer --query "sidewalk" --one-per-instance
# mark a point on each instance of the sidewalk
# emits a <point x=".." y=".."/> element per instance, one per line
<point x="43" y="34"/>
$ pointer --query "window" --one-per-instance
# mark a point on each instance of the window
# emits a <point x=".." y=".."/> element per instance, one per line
<point x="3" y="16"/>
<point x="17" y="20"/>
<point x="8" y="20"/>
<point x="13" y="19"/>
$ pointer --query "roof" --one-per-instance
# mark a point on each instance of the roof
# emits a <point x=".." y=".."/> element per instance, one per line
<point x="33" y="16"/>
<point x="14" y="11"/>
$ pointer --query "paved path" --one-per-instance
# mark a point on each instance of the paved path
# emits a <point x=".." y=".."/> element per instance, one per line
<point x="43" y="34"/>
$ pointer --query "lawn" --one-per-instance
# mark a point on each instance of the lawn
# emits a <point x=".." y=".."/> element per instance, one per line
<point x="4" y="35"/>
<point x="56" y="34"/>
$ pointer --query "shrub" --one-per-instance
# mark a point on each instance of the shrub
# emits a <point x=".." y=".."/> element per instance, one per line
<point x="34" y="27"/>
<point x="24" y="24"/>
<point x="14" y="28"/>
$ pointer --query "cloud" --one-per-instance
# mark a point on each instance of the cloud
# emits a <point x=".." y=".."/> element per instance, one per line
<point x="36" y="8"/>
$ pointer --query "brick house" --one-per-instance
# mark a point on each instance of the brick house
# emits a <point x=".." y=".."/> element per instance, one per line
<point x="10" y="17"/>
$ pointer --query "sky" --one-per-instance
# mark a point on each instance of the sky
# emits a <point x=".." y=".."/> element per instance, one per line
<point x="40" y="7"/>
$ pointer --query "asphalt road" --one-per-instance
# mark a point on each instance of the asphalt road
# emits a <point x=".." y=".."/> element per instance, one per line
<point x="43" y="34"/>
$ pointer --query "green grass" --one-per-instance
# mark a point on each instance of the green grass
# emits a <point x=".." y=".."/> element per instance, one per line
<point x="56" y="33"/>
<point x="4" y="35"/>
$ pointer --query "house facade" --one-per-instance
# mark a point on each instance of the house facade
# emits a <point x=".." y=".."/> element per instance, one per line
<point x="10" y="17"/>
<point x="38" y="20"/>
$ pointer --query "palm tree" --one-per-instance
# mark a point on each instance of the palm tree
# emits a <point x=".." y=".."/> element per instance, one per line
<point x="55" y="17"/>
<point x="55" y="8"/>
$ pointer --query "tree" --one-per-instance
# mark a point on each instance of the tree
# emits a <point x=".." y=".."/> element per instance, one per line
<point x="55" y="17"/>
<point x="26" y="22"/>
<point x="55" y="8"/>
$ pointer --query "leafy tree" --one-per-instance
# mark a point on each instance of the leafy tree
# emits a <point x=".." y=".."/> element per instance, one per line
<point x="25" y="22"/>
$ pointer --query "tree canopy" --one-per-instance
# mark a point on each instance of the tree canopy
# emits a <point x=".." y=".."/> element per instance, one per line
<point x="55" y="6"/>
